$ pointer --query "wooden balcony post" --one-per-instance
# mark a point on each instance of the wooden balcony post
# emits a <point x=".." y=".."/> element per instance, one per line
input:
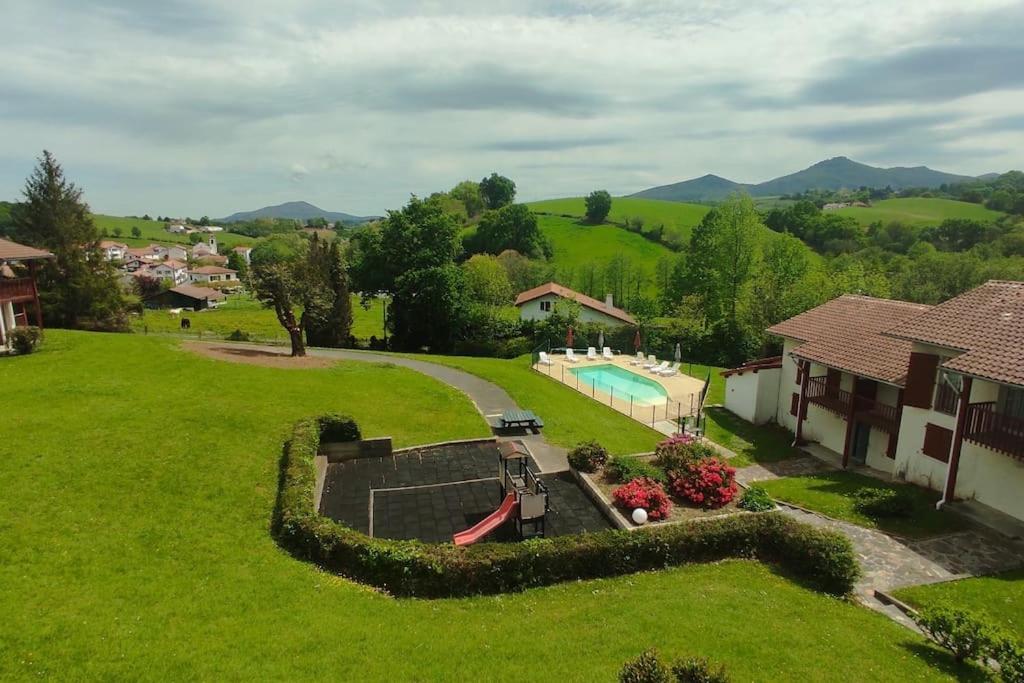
<point x="958" y="441"/>
<point x="894" y="435"/>
<point x="801" y="405"/>
<point x="35" y="294"/>
<point x="851" y="411"/>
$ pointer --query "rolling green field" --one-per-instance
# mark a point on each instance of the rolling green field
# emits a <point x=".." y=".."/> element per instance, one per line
<point x="677" y="215"/>
<point x="134" y="526"/>
<point x="918" y="211"/>
<point x="153" y="231"/>
<point x="242" y="312"/>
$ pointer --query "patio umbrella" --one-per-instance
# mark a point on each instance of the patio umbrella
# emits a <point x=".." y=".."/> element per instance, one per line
<point x="600" y="340"/>
<point x="569" y="338"/>
<point x="636" y="340"/>
<point x="679" y="352"/>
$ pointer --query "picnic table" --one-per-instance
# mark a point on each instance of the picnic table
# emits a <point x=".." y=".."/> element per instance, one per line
<point x="521" y="418"/>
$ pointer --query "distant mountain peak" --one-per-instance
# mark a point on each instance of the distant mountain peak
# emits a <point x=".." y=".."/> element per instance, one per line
<point x="296" y="210"/>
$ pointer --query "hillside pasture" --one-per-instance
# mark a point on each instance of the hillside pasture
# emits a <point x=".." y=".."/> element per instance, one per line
<point x="154" y="232"/>
<point x="919" y="211"/>
<point x="678" y="218"/>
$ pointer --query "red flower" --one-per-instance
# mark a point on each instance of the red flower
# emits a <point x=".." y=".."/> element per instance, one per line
<point x="645" y="493"/>
<point x="709" y="483"/>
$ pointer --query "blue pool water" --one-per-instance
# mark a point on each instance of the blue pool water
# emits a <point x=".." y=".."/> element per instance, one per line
<point x="621" y="383"/>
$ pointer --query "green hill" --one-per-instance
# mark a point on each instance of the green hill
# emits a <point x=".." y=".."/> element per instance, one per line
<point x="918" y="211"/>
<point x="153" y="231"/>
<point x="678" y="218"/>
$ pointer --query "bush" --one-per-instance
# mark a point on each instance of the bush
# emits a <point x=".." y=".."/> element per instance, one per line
<point x="623" y="468"/>
<point x="644" y="493"/>
<point x="699" y="670"/>
<point x="239" y="336"/>
<point x="1010" y="655"/>
<point x="25" y="339"/>
<point x="709" y="483"/>
<point x="647" y="668"/>
<point x="673" y="452"/>
<point x="338" y="428"/>
<point x="587" y="456"/>
<point x="756" y="499"/>
<point x="824" y="559"/>
<point x="879" y="502"/>
<point x="966" y="636"/>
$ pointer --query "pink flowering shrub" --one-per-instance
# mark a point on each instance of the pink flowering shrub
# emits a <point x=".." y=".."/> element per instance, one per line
<point x="645" y="493"/>
<point x="675" y="453"/>
<point x="708" y="483"/>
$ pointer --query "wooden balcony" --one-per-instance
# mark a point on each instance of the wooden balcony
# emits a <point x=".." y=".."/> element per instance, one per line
<point x="866" y="410"/>
<point x="16" y="290"/>
<point x="991" y="429"/>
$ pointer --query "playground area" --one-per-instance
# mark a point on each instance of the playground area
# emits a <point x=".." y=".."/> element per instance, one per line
<point x="462" y="492"/>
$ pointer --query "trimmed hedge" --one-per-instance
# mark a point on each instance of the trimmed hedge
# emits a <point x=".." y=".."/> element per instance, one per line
<point x="824" y="559"/>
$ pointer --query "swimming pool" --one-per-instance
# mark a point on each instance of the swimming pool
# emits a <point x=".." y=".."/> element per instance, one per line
<point x="620" y="383"/>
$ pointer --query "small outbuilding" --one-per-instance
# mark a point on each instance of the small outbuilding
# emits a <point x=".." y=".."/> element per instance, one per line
<point x="186" y="296"/>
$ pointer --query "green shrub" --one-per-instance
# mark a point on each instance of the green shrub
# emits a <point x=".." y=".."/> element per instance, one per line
<point x="966" y="636"/>
<point x="337" y="428"/>
<point x="25" y="339"/>
<point x="824" y="559"/>
<point x="624" y="468"/>
<point x="756" y="499"/>
<point x="1010" y="655"/>
<point x="699" y="670"/>
<point x="587" y="456"/>
<point x="676" y="453"/>
<point x="647" y="668"/>
<point x="239" y="336"/>
<point x="883" y="502"/>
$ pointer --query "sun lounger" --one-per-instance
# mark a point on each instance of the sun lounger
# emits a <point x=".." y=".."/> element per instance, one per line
<point x="607" y="353"/>
<point x="591" y="353"/>
<point x="669" y="372"/>
<point x="658" y="368"/>
<point x="570" y="356"/>
<point x="639" y="360"/>
<point x="544" y="360"/>
<point x="652" y="361"/>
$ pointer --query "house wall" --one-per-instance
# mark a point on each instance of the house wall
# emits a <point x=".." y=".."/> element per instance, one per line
<point x="787" y="386"/>
<point x="753" y="395"/>
<point x="531" y="311"/>
<point x="6" y="324"/>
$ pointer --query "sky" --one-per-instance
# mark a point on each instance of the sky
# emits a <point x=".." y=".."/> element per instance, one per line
<point x="193" y="107"/>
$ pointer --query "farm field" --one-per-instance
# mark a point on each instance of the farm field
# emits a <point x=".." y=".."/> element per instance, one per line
<point x="673" y="215"/>
<point x="918" y="211"/>
<point x="243" y="312"/>
<point x="153" y="231"/>
<point x="136" y="546"/>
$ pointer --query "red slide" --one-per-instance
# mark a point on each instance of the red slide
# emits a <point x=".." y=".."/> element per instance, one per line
<point x="488" y="523"/>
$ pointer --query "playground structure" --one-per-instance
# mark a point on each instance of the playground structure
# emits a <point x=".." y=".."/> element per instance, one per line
<point x="524" y="498"/>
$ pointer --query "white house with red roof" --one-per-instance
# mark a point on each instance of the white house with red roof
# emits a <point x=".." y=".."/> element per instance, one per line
<point x="212" y="274"/>
<point x="537" y="304"/>
<point x="113" y="251"/>
<point x="171" y="269"/>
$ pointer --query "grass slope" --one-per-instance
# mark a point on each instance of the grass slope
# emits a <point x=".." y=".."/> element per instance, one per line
<point x="999" y="597"/>
<point x="153" y="231"/>
<point x="134" y="527"/>
<point x="680" y="216"/>
<point x="918" y="211"/>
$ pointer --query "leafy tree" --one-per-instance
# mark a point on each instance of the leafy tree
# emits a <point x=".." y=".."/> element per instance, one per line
<point x="469" y="194"/>
<point x="497" y="191"/>
<point x="327" y="305"/>
<point x="510" y="227"/>
<point x="599" y="203"/>
<point x="784" y="264"/>
<point x="523" y="273"/>
<point x="959" y="234"/>
<point x="77" y="287"/>
<point x="486" y="281"/>
<point x="204" y="221"/>
<point x="280" y="277"/>
<point x="427" y="308"/>
<point x="146" y="217"/>
<point x="237" y="262"/>
<point x="195" y="238"/>
<point x="136" y="232"/>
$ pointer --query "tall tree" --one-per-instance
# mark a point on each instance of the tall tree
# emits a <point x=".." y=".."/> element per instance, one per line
<point x="468" y="193"/>
<point x="326" y="303"/>
<point x="497" y="191"/>
<point x="510" y="227"/>
<point x="77" y="288"/>
<point x="486" y="281"/>
<point x="280" y="278"/>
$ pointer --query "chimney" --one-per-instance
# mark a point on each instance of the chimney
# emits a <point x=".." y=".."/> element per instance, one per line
<point x="609" y="301"/>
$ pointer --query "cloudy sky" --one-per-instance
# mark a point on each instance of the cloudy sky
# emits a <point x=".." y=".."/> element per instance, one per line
<point x="212" y="106"/>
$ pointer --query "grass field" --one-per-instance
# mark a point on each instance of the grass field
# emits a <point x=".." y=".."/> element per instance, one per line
<point x="134" y="526"/>
<point x="242" y="312"/>
<point x="999" y="597"/>
<point x="918" y="211"/>
<point x="751" y="443"/>
<point x="153" y="231"/>
<point x="673" y="215"/>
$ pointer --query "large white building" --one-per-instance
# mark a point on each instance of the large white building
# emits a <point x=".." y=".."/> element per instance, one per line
<point x="537" y="304"/>
<point x="931" y="395"/>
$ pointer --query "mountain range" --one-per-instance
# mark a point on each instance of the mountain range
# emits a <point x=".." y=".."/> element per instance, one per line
<point x="296" y="210"/>
<point x="832" y="174"/>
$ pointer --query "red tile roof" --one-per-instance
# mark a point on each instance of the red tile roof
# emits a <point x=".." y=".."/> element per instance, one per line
<point x="846" y="334"/>
<point x="213" y="270"/>
<point x="12" y="251"/>
<point x="986" y="324"/>
<point x="583" y="299"/>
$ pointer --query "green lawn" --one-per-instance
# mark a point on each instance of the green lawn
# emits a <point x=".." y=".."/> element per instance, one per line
<point x="242" y="312"/>
<point x="918" y="211"/>
<point x="153" y="231"/>
<point x="831" y="494"/>
<point x="751" y="443"/>
<point x="676" y="216"/>
<point x="999" y="597"/>
<point x="138" y="483"/>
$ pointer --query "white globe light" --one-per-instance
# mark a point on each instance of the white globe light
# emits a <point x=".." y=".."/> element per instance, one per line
<point x="640" y="516"/>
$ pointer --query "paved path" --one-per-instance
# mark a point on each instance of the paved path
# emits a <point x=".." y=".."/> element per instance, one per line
<point x="490" y="399"/>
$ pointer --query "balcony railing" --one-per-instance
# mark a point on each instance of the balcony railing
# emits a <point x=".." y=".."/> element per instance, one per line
<point x="867" y="410"/>
<point x="1003" y="433"/>
<point x="17" y="289"/>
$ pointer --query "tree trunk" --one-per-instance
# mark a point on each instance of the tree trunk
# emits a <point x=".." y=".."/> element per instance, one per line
<point x="298" y="347"/>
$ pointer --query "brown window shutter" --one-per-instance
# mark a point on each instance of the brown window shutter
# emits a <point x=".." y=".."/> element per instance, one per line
<point x="794" y="404"/>
<point x="832" y="378"/>
<point x="920" y="380"/>
<point x="937" y="441"/>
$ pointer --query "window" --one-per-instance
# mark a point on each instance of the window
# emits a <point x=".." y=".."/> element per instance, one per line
<point x="937" y="441"/>
<point x="545" y="306"/>
<point x="1011" y="402"/>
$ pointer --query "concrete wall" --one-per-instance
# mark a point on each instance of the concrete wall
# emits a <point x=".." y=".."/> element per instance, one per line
<point x="349" y="450"/>
<point x="754" y="396"/>
<point x="531" y="311"/>
<point x="6" y="324"/>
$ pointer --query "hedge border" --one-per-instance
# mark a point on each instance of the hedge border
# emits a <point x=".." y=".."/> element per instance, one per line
<point x="824" y="560"/>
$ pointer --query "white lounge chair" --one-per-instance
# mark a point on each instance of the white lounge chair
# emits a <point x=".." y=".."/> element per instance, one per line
<point x="652" y="361"/>
<point x="639" y="360"/>
<point x="591" y="353"/>
<point x="544" y="360"/>
<point x="658" y="368"/>
<point x="669" y="372"/>
<point x="607" y="353"/>
<point x="571" y="357"/>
